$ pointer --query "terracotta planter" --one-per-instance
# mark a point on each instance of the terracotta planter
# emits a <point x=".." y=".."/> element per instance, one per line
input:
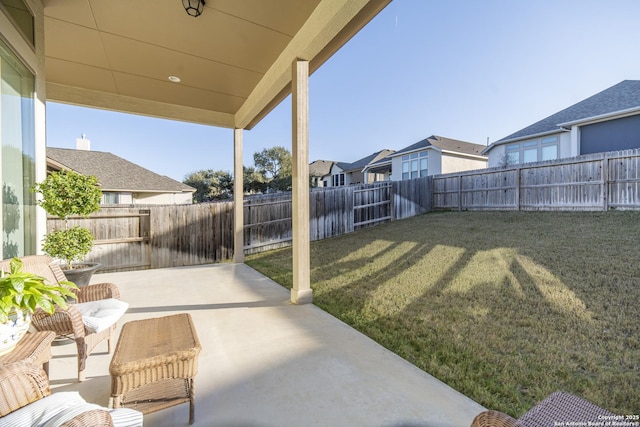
<point x="12" y="331"/>
<point x="82" y="276"/>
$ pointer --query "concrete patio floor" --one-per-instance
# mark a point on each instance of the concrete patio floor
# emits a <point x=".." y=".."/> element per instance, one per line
<point x="267" y="362"/>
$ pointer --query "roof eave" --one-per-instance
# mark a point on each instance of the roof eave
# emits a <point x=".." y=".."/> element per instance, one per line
<point x="416" y="150"/>
<point x="459" y="153"/>
<point x="377" y="165"/>
<point x="602" y="117"/>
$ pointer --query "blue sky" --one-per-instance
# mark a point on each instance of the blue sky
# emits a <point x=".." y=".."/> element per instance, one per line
<point x="462" y="69"/>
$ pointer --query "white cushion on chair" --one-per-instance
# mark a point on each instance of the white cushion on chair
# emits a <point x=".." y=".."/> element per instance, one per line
<point x="40" y="411"/>
<point x="69" y="413"/>
<point x="101" y="314"/>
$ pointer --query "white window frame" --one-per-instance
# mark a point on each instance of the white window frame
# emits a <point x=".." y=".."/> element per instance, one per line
<point x="415" y="165"/>
<point x="521" y="152"/>
<point x="113" y="194"/>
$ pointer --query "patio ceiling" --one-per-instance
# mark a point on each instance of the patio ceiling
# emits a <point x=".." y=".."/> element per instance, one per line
<point x="234" y="61"/>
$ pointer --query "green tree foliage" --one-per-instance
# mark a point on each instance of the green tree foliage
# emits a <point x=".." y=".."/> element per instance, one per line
<point x="253" y="182"/>
<point x="210" y="185"/>
<point x="272" y="171"/>
<point x="70" y="244"/>
<point x="66" y="193"/>
<point x="275" y="165"/>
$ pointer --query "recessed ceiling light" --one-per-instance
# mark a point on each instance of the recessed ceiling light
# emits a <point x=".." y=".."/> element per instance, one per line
<point x="174" y="79"/>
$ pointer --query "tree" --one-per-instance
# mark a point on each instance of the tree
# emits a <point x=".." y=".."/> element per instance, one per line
<point x="253" y="182"/>
<point x="66" y="193"/>
<point x="210" y="185"/>
<point x="275" y="165"/>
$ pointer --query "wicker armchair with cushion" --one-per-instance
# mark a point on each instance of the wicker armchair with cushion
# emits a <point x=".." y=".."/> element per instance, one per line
<point x="557" y="409"/>
<point x="88" y="321"/>
<point x="26" y="400"/>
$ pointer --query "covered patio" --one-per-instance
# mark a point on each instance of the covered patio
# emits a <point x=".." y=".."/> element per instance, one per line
<point x="266" y="361"/>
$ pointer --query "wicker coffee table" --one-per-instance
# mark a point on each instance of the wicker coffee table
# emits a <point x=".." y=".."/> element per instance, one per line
<point x="154" y="364"/>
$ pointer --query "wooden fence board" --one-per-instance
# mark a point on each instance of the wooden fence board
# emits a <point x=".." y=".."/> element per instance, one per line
<point x="590" y="182"/>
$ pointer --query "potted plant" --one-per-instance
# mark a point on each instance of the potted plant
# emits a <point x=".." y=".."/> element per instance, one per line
<point x="67" y="193"/>
<point x="21" y="293"/>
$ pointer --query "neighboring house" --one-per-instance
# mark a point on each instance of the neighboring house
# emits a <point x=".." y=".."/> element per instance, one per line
<point x="353" y="173"/>
<point x="320" y="173"/>
<point x="432" y="156"/>
<point x="122" y="182"/>
<point x="606" y="121"/>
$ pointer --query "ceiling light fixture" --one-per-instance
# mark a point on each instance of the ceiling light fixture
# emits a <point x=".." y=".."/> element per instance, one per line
<point x="193" y="7"/>
<point x="174" y="79"/>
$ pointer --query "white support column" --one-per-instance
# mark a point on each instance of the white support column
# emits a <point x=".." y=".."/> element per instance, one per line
<point x="301" y="292"/>
<point x="238" y="196"/>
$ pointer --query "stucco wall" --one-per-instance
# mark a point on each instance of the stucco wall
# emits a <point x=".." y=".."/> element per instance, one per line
<point x="453" y="163"/>
<point x="163" y="198"/>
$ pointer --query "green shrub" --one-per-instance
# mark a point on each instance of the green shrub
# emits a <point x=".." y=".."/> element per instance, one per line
<point x="67" y="193"/>
<point x="71" y="244"/>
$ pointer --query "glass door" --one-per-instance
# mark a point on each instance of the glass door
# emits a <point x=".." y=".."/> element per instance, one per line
<point x="17" y="155"/>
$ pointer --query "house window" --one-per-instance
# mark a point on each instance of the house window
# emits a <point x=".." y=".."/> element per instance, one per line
<point x="17" y="156"/>
<point x="512" y="155"/>
<point x="337" y="179"/>
<point x="21" y="16"/>
<point x="549" y="148"/>
<point x="532" y="151"/>
<point x="415" y="165"/>
<point x="111" y="198"/>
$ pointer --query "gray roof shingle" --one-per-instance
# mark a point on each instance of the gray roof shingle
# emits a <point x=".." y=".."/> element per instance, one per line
<point x="444" y="144"/>
<point x="358" y="165"/>
<point x="320" y="167"/>
<point x="622" y="96"/>
<point x="371" y="158"/>
<point x="113" y="172"/>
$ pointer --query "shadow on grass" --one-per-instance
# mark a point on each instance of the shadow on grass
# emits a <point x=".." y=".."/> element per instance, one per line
<point x="504" y="307"/>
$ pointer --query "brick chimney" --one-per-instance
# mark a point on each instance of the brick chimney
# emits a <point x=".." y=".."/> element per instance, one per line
<point x="83" y="143"/>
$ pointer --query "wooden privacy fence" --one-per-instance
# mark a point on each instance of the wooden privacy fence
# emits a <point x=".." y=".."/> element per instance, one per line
<point x="333" y="211"/>
<point x="157" y="236"/>
<point x="590" y="183"/>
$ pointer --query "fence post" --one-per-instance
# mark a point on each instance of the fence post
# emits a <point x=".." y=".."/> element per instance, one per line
<point x="605" y="182"/>
<point x="459" y="193"/>
<point x="392" y="196"/>
<point x="518" y="171"/>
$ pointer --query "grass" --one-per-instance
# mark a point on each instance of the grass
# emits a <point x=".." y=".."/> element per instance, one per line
<point x="505" y="307"/>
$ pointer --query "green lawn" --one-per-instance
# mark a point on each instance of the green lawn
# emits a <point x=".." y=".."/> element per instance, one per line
<point x="505" y="307"/>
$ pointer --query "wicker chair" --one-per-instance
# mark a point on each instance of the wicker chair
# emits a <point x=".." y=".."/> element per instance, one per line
<point x="558" y="408"/>
<point x="26" y="399"/>
<point x="69" y="322"/>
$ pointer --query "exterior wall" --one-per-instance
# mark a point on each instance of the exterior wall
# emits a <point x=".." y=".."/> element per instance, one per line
<point x="34" y="60"/>
<point x="356" y="178"/>
<point x="435" y="162"/>
<point x="568" y="147"/>
<point x="396" y="168"/>
<point x="455" y="163"/>
<point x="163" y="198"/>
<point x="611" y="135"/>
<point x="495" y="156"/>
